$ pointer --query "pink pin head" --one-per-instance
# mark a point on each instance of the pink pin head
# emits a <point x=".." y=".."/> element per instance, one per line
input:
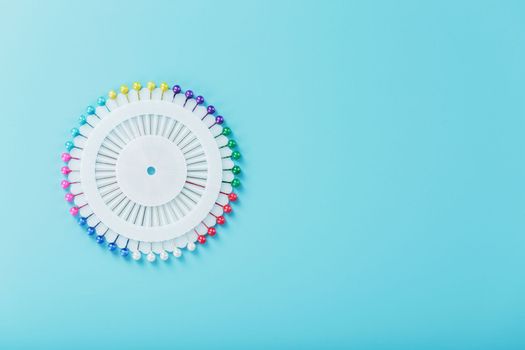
<point x="66" y="157"/>
<point x="65" y="184"/>
<point x="74" y="211"/>
<point x="65" y="170"/>
<point x="69" y="197"/>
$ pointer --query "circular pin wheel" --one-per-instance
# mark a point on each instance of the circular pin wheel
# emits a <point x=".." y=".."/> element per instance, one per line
<point x="150" y="171"/>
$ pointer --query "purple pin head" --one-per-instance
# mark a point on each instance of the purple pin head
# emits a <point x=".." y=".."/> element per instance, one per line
<point x="219" y="119"/>
<point x="189" y="94"/>
<point x="200" y="100"/>
<point x="211" y="109"/>
<point x="176" y="89"/>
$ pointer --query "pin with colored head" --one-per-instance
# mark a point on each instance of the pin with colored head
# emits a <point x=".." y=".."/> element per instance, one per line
<point x="66" y="157"/>
<point x="226" y="131"/>
<point x="163" y="88"/>
<point x="74" y="211"/>
<point x="82" y="221"/>
<point x="232" y="144"/>
<point x="69" y="197"/>
<point x="124" y="90"/>
<point x="101" y="101"/>
<point x="90" y="110"/>
<point x="70" y="145"/>
<point x="137" y="86"/>
<point x="112" y="94"/>
<point x="151" y="86"/>
<point x="188" y="94"/>
<point x="236" y="170"/>
<point x="176" y="90"/>
<point x="199" y="100"/>
<point x="235" y="155"/>
<point x="82" y="120"/>
<point x="209" y="110"/>
<point x="124" y="252"/>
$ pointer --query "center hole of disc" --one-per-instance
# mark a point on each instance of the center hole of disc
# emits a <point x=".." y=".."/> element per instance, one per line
<point x="151" y="170"/>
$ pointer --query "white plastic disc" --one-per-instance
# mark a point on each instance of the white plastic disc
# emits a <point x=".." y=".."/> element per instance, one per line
<point x="149" y="172"/>
<point x="163" y="205"/>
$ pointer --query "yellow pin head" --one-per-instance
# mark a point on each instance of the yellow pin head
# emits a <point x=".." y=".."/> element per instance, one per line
<point x="164" y="87"/>
<point x="151" y="85"/>
<point x="112" y="94"/>
<point x="137" y="86"/>
<point x="124" y="89"/>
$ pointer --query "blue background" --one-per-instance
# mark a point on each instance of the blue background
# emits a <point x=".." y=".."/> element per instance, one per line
<point x="383" y="198"/>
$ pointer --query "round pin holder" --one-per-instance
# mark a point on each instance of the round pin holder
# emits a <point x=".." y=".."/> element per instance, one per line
<point x="150" y="171"/>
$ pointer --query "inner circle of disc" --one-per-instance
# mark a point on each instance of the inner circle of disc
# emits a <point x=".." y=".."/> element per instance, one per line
<point x="151" y="170"/>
